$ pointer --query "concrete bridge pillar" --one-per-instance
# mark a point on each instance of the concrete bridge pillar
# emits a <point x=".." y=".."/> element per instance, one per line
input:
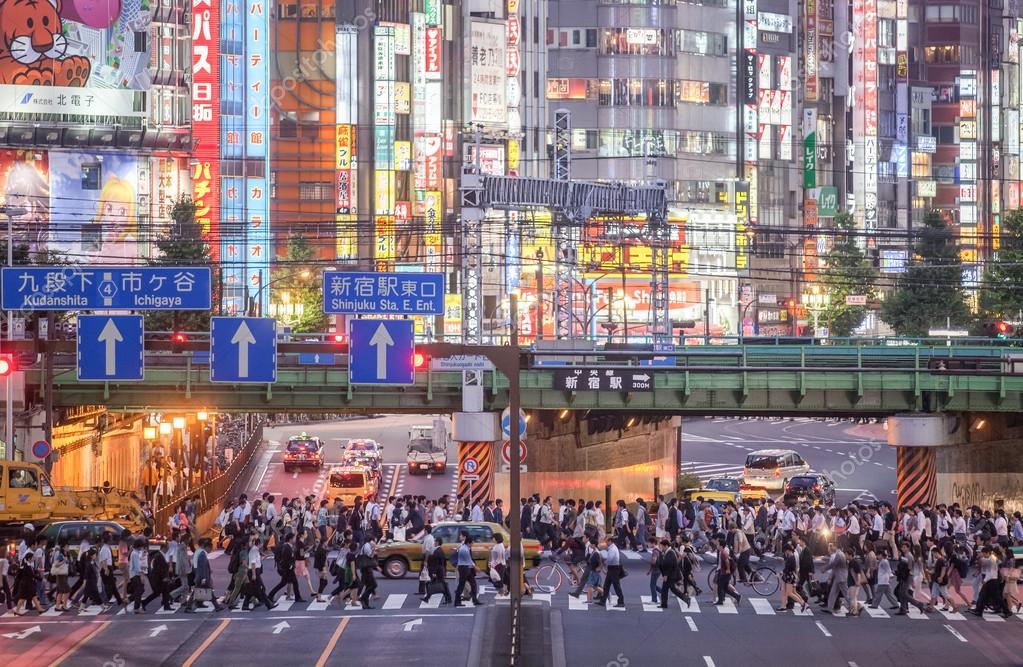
<point x="965" y="458"/>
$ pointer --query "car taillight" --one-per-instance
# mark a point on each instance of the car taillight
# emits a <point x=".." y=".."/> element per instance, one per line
<point x="816" y="487"/>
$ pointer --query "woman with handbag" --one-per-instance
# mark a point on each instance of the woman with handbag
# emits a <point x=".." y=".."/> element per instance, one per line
<point x="366" y="562"/>
<point x="498" y="566"/>
<point x="203" y="578"/>
<point x="789" y="576"/>
<point x="59" y="570"/>
<point x="857" y="578"/>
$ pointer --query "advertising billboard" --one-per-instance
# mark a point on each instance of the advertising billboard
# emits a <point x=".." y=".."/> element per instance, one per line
<point x="95" y="196"/>
<point x="74" y="58"/>
<point x="206" y="116"/>
<point x="486" y="63"/>
<point x="25" y="183"/>
<point x="258" y="246"/>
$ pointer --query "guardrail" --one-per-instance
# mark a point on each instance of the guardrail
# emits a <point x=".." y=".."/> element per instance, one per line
<point x="213" y="492"/>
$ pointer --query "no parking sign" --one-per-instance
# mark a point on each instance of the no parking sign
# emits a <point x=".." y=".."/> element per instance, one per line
<point x="41" y="449"/>
<point x="470" y="468"/>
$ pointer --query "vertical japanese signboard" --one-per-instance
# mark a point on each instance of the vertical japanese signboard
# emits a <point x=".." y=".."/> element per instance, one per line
<point x="486" y="63"/>
<point x="346" y="116"/>
<point x="811" y="83"/>
<point x="258" y="246"/>
<point x="751" y="119"/>
<point x="742" y="222"/>
<point x="206" y="117"/>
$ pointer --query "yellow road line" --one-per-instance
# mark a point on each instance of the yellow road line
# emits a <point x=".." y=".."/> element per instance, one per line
<point x="80" y="643"/>
<point x="206" y="643"/>
<point x="331" y="644"/>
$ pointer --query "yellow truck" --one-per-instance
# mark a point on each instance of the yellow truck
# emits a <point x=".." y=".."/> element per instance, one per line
<point x="27" y="496"/>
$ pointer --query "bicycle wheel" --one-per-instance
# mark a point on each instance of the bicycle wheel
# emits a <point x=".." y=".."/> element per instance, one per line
<point x="765" y="581"/>
<point x="712" y="579"/>
<point x="548" y="578"/>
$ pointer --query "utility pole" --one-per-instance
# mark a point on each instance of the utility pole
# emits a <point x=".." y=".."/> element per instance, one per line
<point x="10" y="212"/>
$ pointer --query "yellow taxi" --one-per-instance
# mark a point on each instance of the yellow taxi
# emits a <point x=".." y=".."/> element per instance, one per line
<point x="349" y="482"/>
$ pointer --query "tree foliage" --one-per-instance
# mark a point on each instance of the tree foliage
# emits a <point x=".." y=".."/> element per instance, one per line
<point x="182" y="245"/>
<point x="929" y="294"/>
<point x="1002" y="293"/>
<point x="297" y="290"/>
<point x="847" y="272"/>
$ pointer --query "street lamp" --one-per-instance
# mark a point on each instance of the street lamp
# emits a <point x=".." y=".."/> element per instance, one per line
<point x="815" y="301"/>
<point x="11" y="212"/>
<point x="149" y="433"/>
<point x="304" y="274"/>
<point x="165" y="428"/>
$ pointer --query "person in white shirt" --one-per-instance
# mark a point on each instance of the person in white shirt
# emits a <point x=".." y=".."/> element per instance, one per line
<point x="476" y="514"/>
<point x="662" y="519"/>
<point x="439" y="513"/>
<point x="256" y="588"/>
<point x="498" y="566"/>
<point x="613" y="580"/>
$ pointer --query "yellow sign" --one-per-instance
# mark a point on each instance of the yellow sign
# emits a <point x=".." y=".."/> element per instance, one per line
<point x="385" y="238"/>
<point x="344" y="147"/>
<point x="347" y="238"/>
<point x="402" y="97"/>
<point x="513" y="154"/>
<point x="402" y="155"/>
<point x="383" y="192"/>
<point x="452" y="314"/>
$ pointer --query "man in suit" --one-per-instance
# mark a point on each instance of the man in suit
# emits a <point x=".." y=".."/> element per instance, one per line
<point x="285" y="560"/>
<point x="838" y="566"/>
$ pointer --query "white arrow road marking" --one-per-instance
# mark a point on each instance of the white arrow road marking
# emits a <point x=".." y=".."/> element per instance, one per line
<point x="408" y="625"/>
<point x="110" y="335"/>
<point x="157" y="630"/>
<point x="243" y="338"/>
<point x="955" y="633"/>
<point x="381" y="340"/>
<point x="281" y="627"/>
<point x="27" y="632"/>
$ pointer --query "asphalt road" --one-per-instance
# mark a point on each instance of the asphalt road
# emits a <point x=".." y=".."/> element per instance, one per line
<point x="402" y="629"/>
<point x="857" y="458"/>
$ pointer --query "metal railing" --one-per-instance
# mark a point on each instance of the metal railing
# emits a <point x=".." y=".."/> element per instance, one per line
<point x="212" y="493"/>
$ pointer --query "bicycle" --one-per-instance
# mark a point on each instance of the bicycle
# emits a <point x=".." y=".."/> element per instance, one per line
<point x="764" y="580"/>
<point x="550" y="577"/>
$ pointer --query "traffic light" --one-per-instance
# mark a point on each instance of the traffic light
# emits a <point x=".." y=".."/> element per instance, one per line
<point x="999" y="329"/>
<point x="338" y="339"/>
<point x="7" y="365"/>
<point x="418" y="360"/>
<point x="178" y="340"/>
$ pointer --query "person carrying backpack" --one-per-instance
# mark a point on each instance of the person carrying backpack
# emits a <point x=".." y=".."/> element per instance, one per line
<point x="670" y="567"/>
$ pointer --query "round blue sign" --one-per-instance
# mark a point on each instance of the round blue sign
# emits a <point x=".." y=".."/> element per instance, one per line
<point x="40" y="449"/>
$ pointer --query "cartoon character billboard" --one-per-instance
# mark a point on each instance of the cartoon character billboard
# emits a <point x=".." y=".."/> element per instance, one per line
<point x="75" y="57"/>
<point x="93" y="204"/>
<point x="25" y="186"/>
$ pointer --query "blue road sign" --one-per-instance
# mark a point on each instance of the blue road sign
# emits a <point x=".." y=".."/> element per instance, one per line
<point x="110" y="347"/>
<point x="316" y="358"/>
<point x="101" y="288"/>
<point x="243" y="349"/>
<point x="381" y="352"/>
<point x="366" y="293"/>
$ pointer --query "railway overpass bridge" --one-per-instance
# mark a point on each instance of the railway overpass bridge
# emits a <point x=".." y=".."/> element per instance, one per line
<point x="954" y="408"/>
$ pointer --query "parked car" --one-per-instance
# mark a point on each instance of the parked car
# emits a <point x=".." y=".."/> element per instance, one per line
<point x="773" y="468"/>
<point x="398" y="558"/>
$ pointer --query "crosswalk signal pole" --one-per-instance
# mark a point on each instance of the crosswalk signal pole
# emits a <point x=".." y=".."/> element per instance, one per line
<point x="514" y="486"/>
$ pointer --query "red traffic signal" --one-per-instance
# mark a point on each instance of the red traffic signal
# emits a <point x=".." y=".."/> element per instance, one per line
<point x="791" y="304"/>
<point x="178" y="340"/>
<point x="418" y="360"/>
<point x="1002" y="327"/>
<point x="7" y="365"/>
<point x="338" y="339"/>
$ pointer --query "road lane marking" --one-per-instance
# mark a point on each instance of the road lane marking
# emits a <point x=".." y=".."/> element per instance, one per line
<point x="206" y="643"/>
<point x="79" y="644"/>
<point x="708" y="661"/>
<point x="693" y="607"/>
<point x="955" y="633"/>
<point x="823" y="629"/>
<point x="762" y="606"/>
<point x="691" y="623"/>
<point x="330" y="644"/>
<point x="394" y="601"/>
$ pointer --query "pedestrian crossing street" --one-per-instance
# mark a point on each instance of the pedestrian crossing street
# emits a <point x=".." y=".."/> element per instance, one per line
<point x="747" y="606"/>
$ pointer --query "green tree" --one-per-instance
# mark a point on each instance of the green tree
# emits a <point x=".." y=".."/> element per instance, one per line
<point x="182" y="245"/>
<point x="1002" y="293"/>
<point x="847" y="272"/>
<point x="930" y="293"/>
<point x="297" y="291"/>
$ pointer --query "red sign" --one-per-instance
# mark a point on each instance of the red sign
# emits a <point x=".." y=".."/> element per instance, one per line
<point x="512" y="61"/>
<point x="514" y="30"/>
<point x="206" y="118"/>
<point x="506" y="451"/>
<point x="432" y="52"/>
<point x="428" y="162"/>
<point x="344" y="191"/>
<point x="402" y="211"/>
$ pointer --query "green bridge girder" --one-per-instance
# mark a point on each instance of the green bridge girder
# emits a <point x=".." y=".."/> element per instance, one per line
<point x="752" y="379"/>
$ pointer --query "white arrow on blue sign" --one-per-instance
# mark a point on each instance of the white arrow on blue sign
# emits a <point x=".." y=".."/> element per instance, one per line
<point x="110" y="347"/>
<point x="243" y="349"/>
<point x="381" y="352"/>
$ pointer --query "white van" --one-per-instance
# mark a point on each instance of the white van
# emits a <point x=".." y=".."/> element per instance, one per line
<point x="772" y="468"/>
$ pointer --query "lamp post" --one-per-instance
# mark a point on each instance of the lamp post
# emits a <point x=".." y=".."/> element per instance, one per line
<point x="304" y="274"/>
<point x="11" y="212"/>
<point x="815" y="301"/>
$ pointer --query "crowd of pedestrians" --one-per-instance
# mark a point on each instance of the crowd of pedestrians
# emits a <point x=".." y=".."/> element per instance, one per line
<point x="857" y="555"/>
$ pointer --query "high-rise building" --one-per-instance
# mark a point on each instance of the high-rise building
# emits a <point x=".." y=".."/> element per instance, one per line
<point x="95" y="140"/>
